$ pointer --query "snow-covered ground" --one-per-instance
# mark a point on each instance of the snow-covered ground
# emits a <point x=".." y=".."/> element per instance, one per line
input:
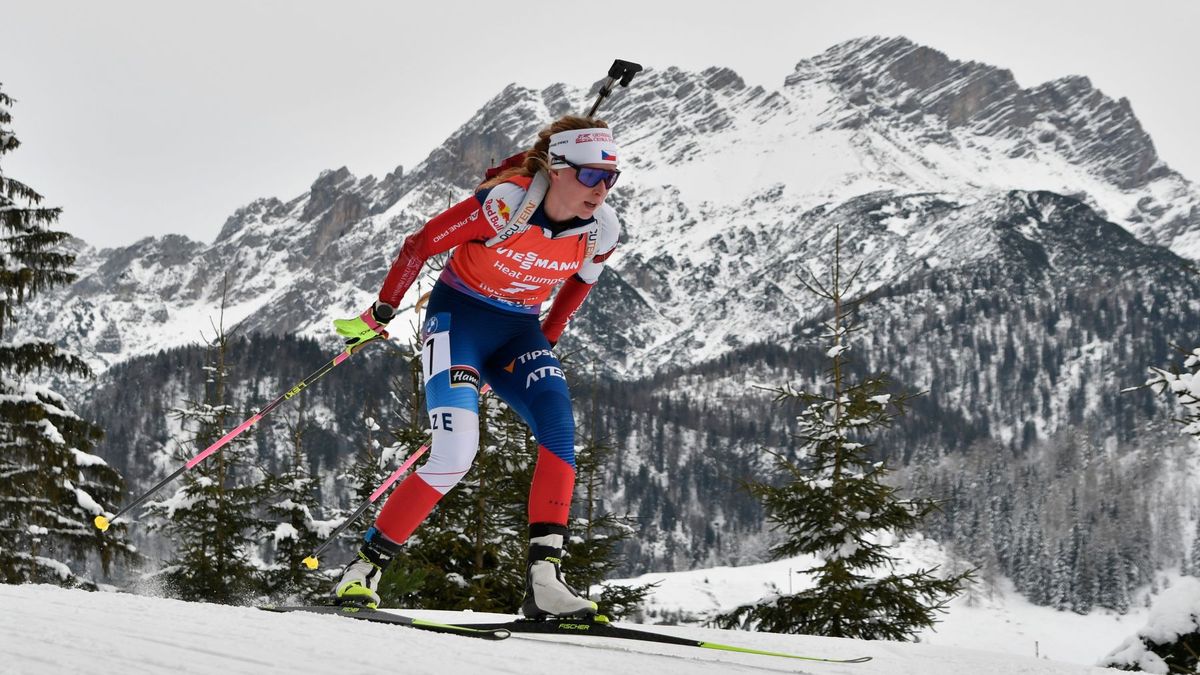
<point x="46" y="629"/>
<point x="994" y="619"/>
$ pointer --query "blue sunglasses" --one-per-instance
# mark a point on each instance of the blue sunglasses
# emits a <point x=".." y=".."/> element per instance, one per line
<point x="589" y="176"/>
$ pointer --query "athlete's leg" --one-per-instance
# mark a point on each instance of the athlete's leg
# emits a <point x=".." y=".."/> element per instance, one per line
<point x="527" y="375"/>
<point x="457" y="332"/>
<point x="450" y="364"/>
<point x="530" y="379"/>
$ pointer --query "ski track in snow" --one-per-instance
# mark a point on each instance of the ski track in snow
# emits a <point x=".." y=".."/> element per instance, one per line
<point x="46" y="629"/>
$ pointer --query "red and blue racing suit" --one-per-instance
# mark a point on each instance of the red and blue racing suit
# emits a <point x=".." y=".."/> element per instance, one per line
<point x="481" y="326"/>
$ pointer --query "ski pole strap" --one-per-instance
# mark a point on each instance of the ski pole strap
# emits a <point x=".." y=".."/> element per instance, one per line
<point x="533" y="198"/>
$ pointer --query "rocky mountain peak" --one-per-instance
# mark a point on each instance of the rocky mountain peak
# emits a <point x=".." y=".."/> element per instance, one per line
<point x="255" y="211"/>
<point x="894" y="82"/>
<point x="1058" y="233"/>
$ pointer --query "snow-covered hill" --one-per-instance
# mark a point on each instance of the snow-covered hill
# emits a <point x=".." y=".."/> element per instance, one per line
<point x="50" y="630"/>
<point x="989" y="616"/>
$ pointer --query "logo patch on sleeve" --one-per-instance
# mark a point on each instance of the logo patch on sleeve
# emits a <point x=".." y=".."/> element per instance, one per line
<point x="464" y="376"/>
<point x="497" y="212"/>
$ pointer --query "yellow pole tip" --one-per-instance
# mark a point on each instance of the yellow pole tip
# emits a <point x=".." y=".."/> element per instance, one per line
<point x="310" y="562"/>
<point x="101" y="523"/>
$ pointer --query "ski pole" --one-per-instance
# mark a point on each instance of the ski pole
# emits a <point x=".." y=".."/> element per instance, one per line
<point x="313" y="560"/>
<point x="102" y="522"/>
<point x="620" y="71"/>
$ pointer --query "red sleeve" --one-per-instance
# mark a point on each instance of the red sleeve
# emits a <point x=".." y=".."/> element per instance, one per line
<point x="457" y="224"/>
<point x="568" y="300"/>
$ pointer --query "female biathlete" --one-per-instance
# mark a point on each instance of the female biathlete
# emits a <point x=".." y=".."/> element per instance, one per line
<point x="528" y="230"/>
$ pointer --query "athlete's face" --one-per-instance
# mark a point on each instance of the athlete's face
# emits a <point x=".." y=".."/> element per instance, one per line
<point x="568" y="198"/>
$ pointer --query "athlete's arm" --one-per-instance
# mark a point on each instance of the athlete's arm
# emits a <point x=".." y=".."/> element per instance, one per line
<point x="572" y="294"/>
<point x="468" y="220"/>
<point x="575" y="290"/>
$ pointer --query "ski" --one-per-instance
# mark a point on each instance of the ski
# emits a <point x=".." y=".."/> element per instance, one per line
<point x="601" y="627"/>
<point x="376" y="616"/>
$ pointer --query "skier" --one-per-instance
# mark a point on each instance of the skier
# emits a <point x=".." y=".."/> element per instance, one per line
<point x="530" y="229"/>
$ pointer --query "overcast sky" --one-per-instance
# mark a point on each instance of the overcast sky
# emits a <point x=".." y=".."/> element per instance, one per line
<point x="148" y="117"/>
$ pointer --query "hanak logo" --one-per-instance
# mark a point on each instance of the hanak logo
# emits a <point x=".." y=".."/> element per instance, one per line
<point x="464" y="376"/>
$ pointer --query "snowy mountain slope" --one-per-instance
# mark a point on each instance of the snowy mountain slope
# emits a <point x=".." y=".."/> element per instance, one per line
<point x="51" y="630"/>
<point x="724" y="191"/>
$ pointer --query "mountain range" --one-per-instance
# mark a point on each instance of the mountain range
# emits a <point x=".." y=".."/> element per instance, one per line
<point x="1027" y="253"/>
<point x="719" y="181"/>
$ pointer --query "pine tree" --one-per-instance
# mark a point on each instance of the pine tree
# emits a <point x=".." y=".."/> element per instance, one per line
<point x="297" y="533"/>
<point x="832" y="503"/>
<point x="51" y="486"/>
<point x="214" y="518"/>
<point x="1184" y="385"/>
<point x="1192" y="563"/>
<point x="1179" y="646"/>
<point x="597" y="534"/>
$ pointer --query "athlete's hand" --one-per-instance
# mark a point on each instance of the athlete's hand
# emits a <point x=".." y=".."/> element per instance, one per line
<point x="369" y="325"/>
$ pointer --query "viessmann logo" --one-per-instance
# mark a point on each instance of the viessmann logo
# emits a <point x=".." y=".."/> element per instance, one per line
<point x="527" y="260"/>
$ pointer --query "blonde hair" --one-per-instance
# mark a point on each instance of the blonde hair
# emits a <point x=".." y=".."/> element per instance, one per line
<point x="537" y="158"/>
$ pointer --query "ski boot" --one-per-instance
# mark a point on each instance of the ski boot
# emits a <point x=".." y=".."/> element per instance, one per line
<point x="546" y="594"/>
<point x="360" y="579"/>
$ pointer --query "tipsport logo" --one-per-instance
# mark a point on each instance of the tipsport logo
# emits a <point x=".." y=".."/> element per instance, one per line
<point x="528" y="357"/>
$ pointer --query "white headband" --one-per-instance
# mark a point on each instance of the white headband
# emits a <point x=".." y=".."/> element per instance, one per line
<point x="583" y="146"/>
